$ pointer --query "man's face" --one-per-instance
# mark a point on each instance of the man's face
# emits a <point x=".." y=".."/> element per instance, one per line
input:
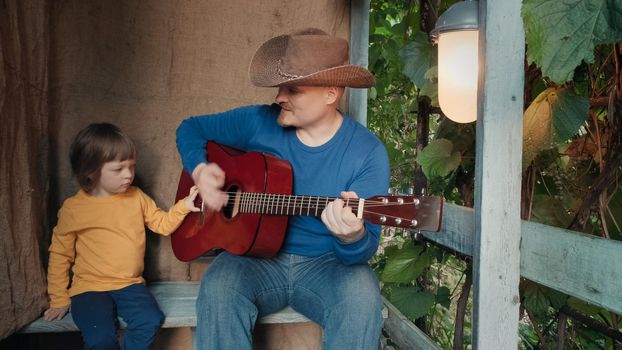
<point x="302" y="106"/>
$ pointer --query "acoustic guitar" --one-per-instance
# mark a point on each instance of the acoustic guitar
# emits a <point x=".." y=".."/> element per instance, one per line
<point x="254" y="222"/>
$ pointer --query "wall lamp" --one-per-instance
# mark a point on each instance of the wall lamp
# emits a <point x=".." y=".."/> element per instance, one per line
<point x="456" y="34"/>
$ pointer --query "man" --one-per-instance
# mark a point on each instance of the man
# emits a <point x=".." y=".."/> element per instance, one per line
<point x="321" y="270"/>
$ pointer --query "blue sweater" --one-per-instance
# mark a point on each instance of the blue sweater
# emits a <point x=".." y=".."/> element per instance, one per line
<point x="353" y="160"/>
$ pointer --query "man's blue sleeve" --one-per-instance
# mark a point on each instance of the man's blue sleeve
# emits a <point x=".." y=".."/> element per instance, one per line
<point x="232" y="128"/>
<point x="373" y="180"/>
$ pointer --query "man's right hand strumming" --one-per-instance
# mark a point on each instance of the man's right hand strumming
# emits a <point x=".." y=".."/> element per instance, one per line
<point x="210" y="178"/>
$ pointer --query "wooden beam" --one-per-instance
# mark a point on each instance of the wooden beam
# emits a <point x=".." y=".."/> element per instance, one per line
<point x="575" y="263"/>
<point x="457" y="229"/>
<point x="403" y="332"/>
<point x="359" y="48"/>
<point x="496" y="258"/>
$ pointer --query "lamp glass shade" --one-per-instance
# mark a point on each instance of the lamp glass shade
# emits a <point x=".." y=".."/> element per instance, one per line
<point x="457" y="75"/>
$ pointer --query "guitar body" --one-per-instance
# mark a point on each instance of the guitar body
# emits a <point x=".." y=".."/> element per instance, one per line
<point x="239" y="233"/>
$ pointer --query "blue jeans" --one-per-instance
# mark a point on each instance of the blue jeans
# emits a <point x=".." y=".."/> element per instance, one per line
<point x="236" y="290"/>
<point x="95" y="314"/>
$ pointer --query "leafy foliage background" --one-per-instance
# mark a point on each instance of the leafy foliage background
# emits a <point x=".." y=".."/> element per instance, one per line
<point x="572" y="141"/>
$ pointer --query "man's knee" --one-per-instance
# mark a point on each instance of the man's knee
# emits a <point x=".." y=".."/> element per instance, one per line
<point x="361" y="282"/>
<point x="360" y="295"/>
<point x="364" y="306"/>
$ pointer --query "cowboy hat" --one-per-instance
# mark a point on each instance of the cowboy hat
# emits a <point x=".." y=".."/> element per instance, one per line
<point x="308" y="57"/>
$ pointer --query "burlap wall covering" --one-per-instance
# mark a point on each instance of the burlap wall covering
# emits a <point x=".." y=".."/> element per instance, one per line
<point x="24" y="39"/>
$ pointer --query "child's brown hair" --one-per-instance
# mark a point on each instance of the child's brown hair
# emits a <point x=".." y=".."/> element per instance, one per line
<point x="95" y="145"/>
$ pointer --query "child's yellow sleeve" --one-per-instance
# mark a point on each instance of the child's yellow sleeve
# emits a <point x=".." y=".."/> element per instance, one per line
<point x="62" y="253"/>
<point x="160" y="221"/>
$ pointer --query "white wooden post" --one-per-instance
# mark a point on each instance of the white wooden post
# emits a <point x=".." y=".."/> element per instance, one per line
<point x="359" y="48"/>
<point x="498" y="172"/>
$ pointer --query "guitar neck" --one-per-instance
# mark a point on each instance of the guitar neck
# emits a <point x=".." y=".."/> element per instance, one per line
<point x="422" y="213"/>
<point x="284" y="204"/>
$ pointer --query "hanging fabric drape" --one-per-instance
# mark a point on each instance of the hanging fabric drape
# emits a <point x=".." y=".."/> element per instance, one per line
<point x="24" y="39"/>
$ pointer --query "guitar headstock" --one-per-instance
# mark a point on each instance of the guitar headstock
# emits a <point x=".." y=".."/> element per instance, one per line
<point x="416" y="212"/>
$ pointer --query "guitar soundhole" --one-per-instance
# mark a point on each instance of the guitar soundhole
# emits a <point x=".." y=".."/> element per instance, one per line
<point x="231" y="209"/>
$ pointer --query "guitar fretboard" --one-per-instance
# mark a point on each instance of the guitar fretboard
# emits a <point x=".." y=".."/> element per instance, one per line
<point x="284" y="204"/>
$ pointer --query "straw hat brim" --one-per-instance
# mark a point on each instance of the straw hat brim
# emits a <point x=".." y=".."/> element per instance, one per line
<point x="264" y="70"/>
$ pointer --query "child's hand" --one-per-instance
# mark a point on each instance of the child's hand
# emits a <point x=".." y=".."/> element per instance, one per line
<point x="192" y="195"/>
<point x="55" y="313"/>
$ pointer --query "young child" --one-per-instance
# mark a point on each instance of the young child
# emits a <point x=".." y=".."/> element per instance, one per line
<point x="101" y="230"/>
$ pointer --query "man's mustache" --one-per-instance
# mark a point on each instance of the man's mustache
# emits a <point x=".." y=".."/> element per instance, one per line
<point x="285" y="105"/>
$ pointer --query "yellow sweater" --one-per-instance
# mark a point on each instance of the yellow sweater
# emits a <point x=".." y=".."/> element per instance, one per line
<point x="104" y="237"/>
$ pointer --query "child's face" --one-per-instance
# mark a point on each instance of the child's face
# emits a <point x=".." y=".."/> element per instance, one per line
<point x="116" y="177"/>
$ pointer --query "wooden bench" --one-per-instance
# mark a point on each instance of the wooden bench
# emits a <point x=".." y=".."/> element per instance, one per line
<point x="177" y="301"/>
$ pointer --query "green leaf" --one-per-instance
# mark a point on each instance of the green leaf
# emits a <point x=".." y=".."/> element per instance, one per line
<point x="557" y="299"/>
<point x="569" y="113"/>
<point x="549" y="211"/>
<point x="418" y="57"/>
<point x="534" y="299"/>
<point x="391" y="251"/>
<point x="405" y="265"/>
<point x="562" y="34"/>
<point x="462" y="136"/>
<point x="394" y="154"/>
<point x="430" y="88"/>
<point x="411" y="302"/>
<point x="443" y="297"/>
<point x="438" y="159"/>
<point x="580" y="305"/>
<point x="372" y="93"/>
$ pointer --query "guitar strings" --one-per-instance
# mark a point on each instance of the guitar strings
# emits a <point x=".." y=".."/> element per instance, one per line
<point x="259" y="197"/>
<point x="265" y="202"/>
